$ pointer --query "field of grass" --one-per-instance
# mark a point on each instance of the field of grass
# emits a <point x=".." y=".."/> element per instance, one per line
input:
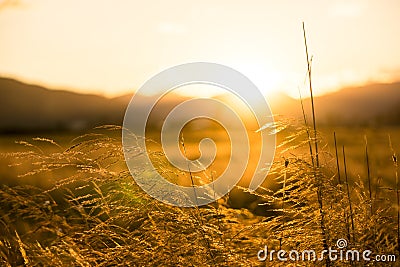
<point x="72" y="202"/>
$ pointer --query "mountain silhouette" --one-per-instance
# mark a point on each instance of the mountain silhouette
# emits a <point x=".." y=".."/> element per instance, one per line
<point x="26" y="107"/>
<point x="372" y="104"/>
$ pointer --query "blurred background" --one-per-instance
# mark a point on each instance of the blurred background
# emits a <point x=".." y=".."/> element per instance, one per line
<point x="69" y="66"/>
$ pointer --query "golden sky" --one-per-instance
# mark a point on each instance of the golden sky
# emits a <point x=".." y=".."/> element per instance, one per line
<point x="112" y="47"/>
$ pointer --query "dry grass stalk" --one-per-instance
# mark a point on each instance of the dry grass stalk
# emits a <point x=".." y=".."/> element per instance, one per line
<point x="395" y="164"/>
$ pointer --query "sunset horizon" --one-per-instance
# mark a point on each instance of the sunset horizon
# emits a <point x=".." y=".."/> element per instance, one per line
<point x="130" y="91"/>
<point x="117" y="50"/>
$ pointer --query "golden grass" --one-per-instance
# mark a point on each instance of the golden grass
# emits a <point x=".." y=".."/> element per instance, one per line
<point x="93" y="214"/>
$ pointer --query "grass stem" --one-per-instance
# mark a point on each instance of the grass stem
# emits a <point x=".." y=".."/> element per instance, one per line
<point x="312" y="97"/>
<point x="316" y="166"/>
<point x="395" y="164"/>
<point x="348" y="194"/>
<point x="368" y="172"/>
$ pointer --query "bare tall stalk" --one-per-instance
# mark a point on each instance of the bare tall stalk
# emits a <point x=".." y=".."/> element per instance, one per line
<point x="348" y="192"/>
<point x="283" y="205"/>
<point x="337" y="159"/>
<point x="316" y="166"/>
<point x="312" y="97"/>
<point x="307" y="129"/>
<point x="395" y="164"/>
<point x="346" y="219"/>
<point x="368" y="171"/>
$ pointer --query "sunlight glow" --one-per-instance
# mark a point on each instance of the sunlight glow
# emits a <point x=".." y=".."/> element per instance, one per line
<point x="112" y="49"/>
<point x="267" y="80"/>
<point x="200" y="90"/>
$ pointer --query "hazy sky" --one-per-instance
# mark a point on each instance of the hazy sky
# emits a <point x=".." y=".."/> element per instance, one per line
<point x="112" y="47"/>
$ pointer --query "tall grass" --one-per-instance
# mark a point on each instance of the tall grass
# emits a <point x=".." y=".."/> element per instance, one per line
<point x="95" y="215"/>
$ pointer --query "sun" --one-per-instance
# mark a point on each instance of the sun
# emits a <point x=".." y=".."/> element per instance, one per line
<point x="267" y="80"/>
<point x="200" y="90"/>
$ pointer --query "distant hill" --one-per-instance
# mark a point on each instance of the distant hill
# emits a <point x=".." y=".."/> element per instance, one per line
<point x="373" y="104"/>
<point x="30" y="108"/>
<point x="26" y="107"/>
